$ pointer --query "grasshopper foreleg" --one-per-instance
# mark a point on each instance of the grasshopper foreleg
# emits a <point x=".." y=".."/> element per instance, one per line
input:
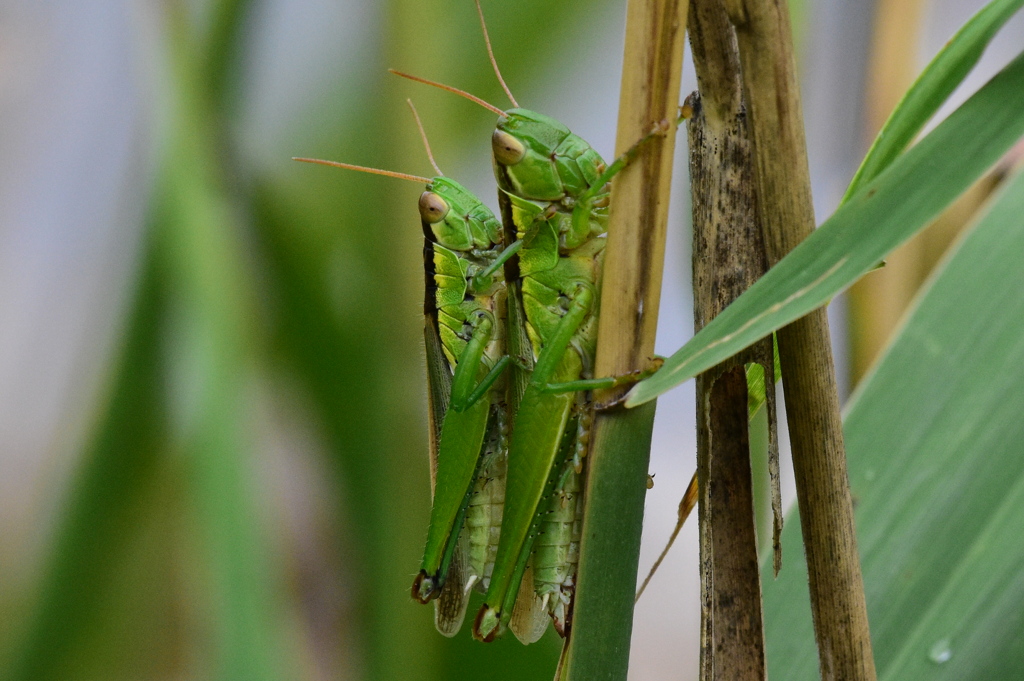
<point x="464" y="394"/>
<point x="581" y="303"/>
<point x="487" y="381"/>
<point x="482" y="280"/>
<point x="605" y="382"/>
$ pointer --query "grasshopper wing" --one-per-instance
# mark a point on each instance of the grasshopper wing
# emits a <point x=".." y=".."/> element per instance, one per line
<point x="450" y="606"/>
<point x="529" y="616"/>
<point x="439" y="390"/>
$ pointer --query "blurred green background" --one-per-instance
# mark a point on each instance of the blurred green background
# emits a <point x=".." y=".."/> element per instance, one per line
<point x="212" y="396"/>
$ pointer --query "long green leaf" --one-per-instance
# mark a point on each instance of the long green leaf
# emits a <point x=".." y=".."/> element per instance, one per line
<point x="891" y="208"/>
<point x="942" y="75"/>
<point x="934" y="442"/>
<point x="615" y="516"/>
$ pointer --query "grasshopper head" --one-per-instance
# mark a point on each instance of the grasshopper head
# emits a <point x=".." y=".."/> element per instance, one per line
<point x="524" y="144"/>
<point x="455" y="218"/>
<point x="538" y="158"/>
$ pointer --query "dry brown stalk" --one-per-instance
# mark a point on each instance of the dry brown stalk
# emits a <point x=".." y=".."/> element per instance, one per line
<point x="812" y="403"/>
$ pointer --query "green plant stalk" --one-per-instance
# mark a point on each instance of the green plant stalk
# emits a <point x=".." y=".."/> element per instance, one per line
<point x="758" y="438"/>
<point x="598" y="647"/>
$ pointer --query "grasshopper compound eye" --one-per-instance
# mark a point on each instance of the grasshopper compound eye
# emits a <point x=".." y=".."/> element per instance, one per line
<point x="507" y="150"/>
<point x="432" y="207"/>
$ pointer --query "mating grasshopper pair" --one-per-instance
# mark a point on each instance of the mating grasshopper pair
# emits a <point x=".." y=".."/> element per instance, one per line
<point x="511" y="321"/>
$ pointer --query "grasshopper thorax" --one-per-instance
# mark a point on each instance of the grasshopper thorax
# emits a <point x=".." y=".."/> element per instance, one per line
<point x="538" y="132"/>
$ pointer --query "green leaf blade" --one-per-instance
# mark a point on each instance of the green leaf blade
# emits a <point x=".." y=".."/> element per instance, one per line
<point x="891" y="209"/>
<point x="935" y="84"/>
<point x="934" y="442"/>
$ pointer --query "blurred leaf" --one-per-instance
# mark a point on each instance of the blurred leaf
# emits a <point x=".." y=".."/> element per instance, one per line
<point x="198" y="238"/>
<point x="100" y="518"/>
<point x="936" y="83"/>
<point x="220" y="46"/>
<point x="890" y="209"/>
<point x="934" y="443"/>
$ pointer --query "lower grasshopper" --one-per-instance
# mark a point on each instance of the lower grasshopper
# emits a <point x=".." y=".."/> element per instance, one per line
<point x="464" y="336"/>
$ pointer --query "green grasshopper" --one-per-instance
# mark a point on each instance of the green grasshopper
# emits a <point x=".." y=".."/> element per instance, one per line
<point x="554" y="196"/>
<point x="553" y="191"/>
<point x="465" y="346"/>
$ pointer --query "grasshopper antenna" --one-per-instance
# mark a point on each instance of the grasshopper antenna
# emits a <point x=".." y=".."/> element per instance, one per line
<point x="423" y="136"/>
<point x="449" y="88"/>
<point x="490" y="53"/>
<point x="364" y="169"/>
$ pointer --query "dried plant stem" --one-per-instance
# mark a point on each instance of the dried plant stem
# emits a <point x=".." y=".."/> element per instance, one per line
<point x="732" y="633"/>
<point x="598" y="647"/>
<point x="728" y="256"/>
<point x="826" y="512"/>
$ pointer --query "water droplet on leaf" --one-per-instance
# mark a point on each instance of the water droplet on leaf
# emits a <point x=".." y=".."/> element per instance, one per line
<point x="940" y="652"/>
